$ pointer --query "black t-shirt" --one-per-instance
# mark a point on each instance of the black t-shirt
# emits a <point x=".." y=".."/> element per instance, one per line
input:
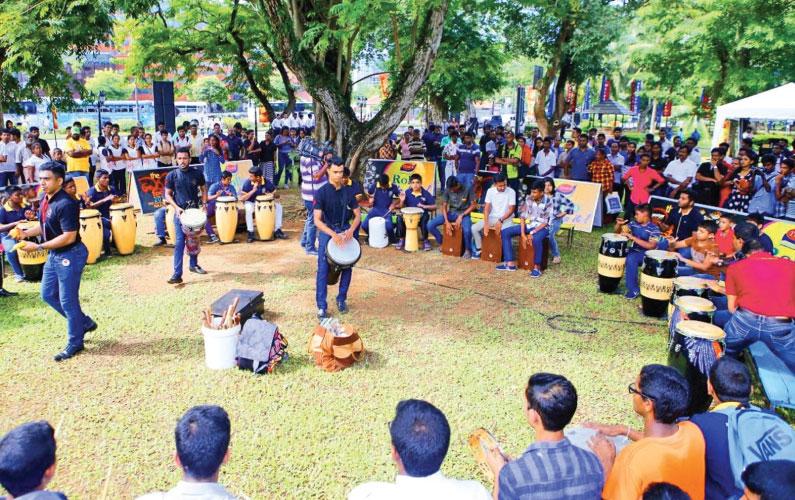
<point x="268" y="151"/>
<point x="62" y="216"/>
<point x="685" y="226"/>
<point x="337" y="205"/>
<point x="705" y="169"/>
<point x="185" y="185"/>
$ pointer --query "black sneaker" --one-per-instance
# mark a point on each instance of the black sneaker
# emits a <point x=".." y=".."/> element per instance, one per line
<point x="250" y="238"/>
<point x="214" y="239"/>
<point x="342" y="307"/>
<point x="69" y="352"/>
<point x="160" y="243"/>
<point x="280" y="234"/>
<point x="197" y="270"/>
<point x="6" y="293"/>
<point x="174" y="280"/>
<point x="92" y="325"/>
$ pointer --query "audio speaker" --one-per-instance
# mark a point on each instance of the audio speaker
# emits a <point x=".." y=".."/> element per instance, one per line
<point x="164" y="104"/>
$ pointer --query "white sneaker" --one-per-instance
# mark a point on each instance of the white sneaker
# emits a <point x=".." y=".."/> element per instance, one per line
<point x="556" y="260"/>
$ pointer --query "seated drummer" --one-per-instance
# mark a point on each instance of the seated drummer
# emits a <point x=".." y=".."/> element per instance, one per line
<point x="100" y="197"/>
<point x="497" y="212"/>
<point x="385" y="198"/>
<point x="457" y="203"/>
<point x="683" y="221"/>
<point x="415" y="196"/>
<point x="223" y="187"/>
<point x="255" y="186"/>
<point x="69" y="187"/>
<point x="705" y="261"/>
<point x="12" y="212"/>
<point x="645" y="235"/>
<point x="535" y="214"/>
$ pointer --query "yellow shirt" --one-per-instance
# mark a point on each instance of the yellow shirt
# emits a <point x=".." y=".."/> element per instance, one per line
<point x="77" y="164"/>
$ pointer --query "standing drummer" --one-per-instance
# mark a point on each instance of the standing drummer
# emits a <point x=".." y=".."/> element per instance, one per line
<point x="643" y="233"/>
<point x="59" y="216"/>
<point x="184" y="186"/>
<point x="335" y="206"/>
<point x="255" y="186"/>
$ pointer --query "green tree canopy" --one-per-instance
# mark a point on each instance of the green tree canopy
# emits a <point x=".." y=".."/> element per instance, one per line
<point x="210" y="89"/>
<point x="115" y="85"/>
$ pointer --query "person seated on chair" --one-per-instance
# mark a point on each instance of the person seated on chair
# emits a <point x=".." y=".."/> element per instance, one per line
<point x="255" y="186"/>
<point x="415" y="196"/>
<point x="705" y="261"/>
<point x="100" y="197"/>
<point x="535" y="214"/>
<point x="645" y="235"/>
<point x="385" y="197"/>
<point x="683" y="221"/>
<point x="497" y="212"/>
<point x="223" y="187"/>
<point x="457" y="203"/>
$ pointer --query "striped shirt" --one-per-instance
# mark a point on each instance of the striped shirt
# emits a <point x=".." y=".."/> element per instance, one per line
<point x="561" y="203"/>
<point x="416" y="150"/>
<point x="310" y="186"/>
<point x="552" y="470"/>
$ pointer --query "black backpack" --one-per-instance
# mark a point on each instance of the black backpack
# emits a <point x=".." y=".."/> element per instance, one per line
<point x="260" y="347"/>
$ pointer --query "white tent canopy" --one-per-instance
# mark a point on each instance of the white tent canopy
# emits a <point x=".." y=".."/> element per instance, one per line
<point x="773" y="104"/>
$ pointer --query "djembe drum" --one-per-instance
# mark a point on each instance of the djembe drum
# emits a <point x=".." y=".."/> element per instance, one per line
<point x="193" y="221"/>
<point x="411" y="218"/>
<point x="32" y="263"/>
<point x="692" y="350"/>
<point x="612" y="259"/>
<point x="657" y="281"/>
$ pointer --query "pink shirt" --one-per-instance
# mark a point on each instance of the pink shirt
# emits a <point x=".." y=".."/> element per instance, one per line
<point x="641" y="181"/>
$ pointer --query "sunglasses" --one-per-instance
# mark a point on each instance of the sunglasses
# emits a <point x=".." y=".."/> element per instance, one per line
<point x="632" y="389"/>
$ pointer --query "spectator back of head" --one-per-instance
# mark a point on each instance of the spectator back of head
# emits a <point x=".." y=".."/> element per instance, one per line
<point x="26" y="453"/>
<point x="553" y="397"/>
<point x="668" y="390"/>
<point x="771" y="480"/>
<point x="202" y="438"/>
<point x="730" y="379"/>
<point x="664" y="491"/>
<point x="421" y="436"/>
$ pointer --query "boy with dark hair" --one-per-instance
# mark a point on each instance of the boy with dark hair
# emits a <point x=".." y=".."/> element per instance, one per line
<point x="535" y="215"/>
<point x="384" y="198"/>
<point x="705" y="256"/>
<point x="415" y="196"/>
<point x="27" y="461"/>
<point x="550" y="402"/>
<point x="644" y="235"/>
<point x="420" y="438"/>
<point x="772" y="480"/>
<point x="665" y="451"/>
<point x="202" y="441"/>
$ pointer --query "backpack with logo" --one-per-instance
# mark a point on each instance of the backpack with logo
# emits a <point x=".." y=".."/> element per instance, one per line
<point x="261" y="347"/>
<point x="335" y="348"/>
<point x="756" y="435"/>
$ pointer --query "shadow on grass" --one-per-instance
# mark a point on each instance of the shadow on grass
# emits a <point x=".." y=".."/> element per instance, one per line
<point x="157" y="347"/>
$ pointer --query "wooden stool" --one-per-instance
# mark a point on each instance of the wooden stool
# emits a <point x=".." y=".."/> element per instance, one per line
<point x="452" y="245"/>
<point x="492" y="247"/>
<point x="527" y="256"/>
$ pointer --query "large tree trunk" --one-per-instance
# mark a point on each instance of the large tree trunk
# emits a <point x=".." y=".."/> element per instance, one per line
<point x="553" y="70"/>
<point x="438" y="110"/>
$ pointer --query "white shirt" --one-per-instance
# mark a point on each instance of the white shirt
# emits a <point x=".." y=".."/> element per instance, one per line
<point x="9" y="150"/>
<point x="277" y="123"/>
<point x="451" y="149"/>
<point x="695" y="156"/>
<point x="148" y="162"/>
<point x="133" y="161"/>
<point x="546" y="162"/>
<point x="680" y="170"/>
<point x="665" y="145"/>
<point x="181" y="142"/>
<point x="618" y="162"/>
<point x="192" y="491"/>
<point x="35" y="162"/>
<point x="499" y="204"/>
<point x="118" y="153"/>
<point x="433" y="487"/>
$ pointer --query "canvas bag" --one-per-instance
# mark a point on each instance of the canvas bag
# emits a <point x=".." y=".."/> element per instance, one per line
<point x="756" y="435"/>
<point x="260" y="347"/>
<point x="333" y="354"/>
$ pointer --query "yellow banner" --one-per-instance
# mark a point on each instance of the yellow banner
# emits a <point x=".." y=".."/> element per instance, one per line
<point x="399" y="172"/>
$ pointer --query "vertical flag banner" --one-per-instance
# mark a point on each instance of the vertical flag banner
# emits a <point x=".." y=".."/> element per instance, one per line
<point x="636" y="100"/>
<point x="54" y="118"/>
<point x="667" y="108"/>
<point x="384" y="81"/>
<point x="520" y="109"/>
<point x="586" y="101"/>
<point x="632" y="108"/>
<point x="538" y="73"/>
<point x="551" y="99"/>
<point x="571" y="97"/>
<point x="604" y="91"/>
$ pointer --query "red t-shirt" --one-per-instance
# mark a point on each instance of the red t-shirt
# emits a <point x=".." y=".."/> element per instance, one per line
<point x="725" y="241"/>
<point x="641" y="181"/>
<point x="763" y="284"/>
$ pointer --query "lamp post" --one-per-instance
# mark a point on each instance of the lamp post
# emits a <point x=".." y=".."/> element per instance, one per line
<point x="100" y="103"/>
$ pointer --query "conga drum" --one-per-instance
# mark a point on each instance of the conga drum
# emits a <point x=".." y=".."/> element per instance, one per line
<point x="657" y="281"/>
<point x="340" y="257"/>
<point x="452" y="245"/>
<point x="411" y="218"/>
<point x="123" y="227"/>
<point x="687" y="286"/>
<point x="265" y="216"/>
<point x="91" y="233"/>
<point x="612" y="259"/>
<point x="492" y="247"/>
<point x="170" y="227"/>
<point x="32" y="263"/>
<point x="692" y="350"/>
<point x="690" y="308"/>
<point x="226" y="218"/>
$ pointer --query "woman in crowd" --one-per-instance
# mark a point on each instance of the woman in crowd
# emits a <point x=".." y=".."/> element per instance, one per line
<point x="212" y="157"/>
<point x="742" y="184"/>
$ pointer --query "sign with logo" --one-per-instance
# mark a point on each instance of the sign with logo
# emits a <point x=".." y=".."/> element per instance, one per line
<point x="587" y="199"/>
<point x="149" y="188"/>
<point x="239" y="170"/>
<point x="399" y="173"/>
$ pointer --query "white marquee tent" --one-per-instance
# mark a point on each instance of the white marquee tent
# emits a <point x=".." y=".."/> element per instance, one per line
<point x="773" y="104"/>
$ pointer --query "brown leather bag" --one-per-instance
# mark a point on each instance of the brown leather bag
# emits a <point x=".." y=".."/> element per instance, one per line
<point x="333" y="354"/>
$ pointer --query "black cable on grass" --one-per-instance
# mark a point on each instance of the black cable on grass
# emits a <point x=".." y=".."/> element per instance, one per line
<point x="568" y="323"/>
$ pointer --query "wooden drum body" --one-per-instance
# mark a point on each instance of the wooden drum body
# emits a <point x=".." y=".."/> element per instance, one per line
<point x="657" y="282"/>
<point x="692" y="350"/>
<point x="453" y="245"/>
<point x="265" y="216"/>
<point x="124" y="226"/>
<point x="492" y="247"/>
<point x="612" y="260"/>
<point x="226" y="218"/>
<point x="412" y="217"/>
<point x="91" y="233"/>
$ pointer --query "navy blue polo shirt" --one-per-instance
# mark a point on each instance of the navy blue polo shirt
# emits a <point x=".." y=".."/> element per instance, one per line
<point x="184" y="186"/>
<point x="720" y="479"/>
<point x="424" y="197"/>
<point x="235" y="144"/>
<point x="9" y="216"/>
<point x="62" y="216"/>
<point x="95" y="195"/>
<point x="337" y="205"/>
<point x="685" y="226"/>
<point x="265" y="187"/>
<point x="382" y="198"/>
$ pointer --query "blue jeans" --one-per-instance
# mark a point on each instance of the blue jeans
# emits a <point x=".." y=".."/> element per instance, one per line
<point x="79" y="174"/>
<point x="179" y="249"/>
<point x="285" y="163"/>
<point x="321" y="281"/>
<point x="160" y="222"/>
<point x="508" y="235"/>
<point x="11" y="255"/>
<point x="60" y="288"/>
<point x="633" y="263"/>
<point x="390" y="227"/>
<point x="466" y="225"/>
<point x="745" y="328"/>
<point x="310" y="231"/>
<point x="553" y="231"/>
<point x="8" y="179"/>
<point x="466" y="180"/>
<point x="106" y="234"/>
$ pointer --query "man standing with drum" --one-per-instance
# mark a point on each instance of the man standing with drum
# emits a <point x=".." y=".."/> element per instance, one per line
<point x="183" y="187"/>
<point x="59" y="217"/>
<point x="335" y="206"/>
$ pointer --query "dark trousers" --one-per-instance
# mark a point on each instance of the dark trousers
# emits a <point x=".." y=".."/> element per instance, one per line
<point x="321" y="281"/>
<point x="60" y="288"/>
<point x="285" y="165"/>
<point x="179" y="249"/>
<point x="118" y="180"/>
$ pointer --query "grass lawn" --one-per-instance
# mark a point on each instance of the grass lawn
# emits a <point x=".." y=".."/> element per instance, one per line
<point x="459" y="335"/>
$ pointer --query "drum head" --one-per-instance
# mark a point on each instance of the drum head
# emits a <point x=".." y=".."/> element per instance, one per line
<point x="121" y="206"/>
<point x="193" y="218"/>
<point x="660" y="255"/>
<point x="264" y="197"/>
<point x="226" y="199"/>
<point x="89" y="213"/>
<point x="344" y="255"/>
<point x="691" y="303"/>
<point x="411" y="210"/>
<point x="614" y="237"/>
<point x="701" y="330"/>
<point x="690" y="283"/>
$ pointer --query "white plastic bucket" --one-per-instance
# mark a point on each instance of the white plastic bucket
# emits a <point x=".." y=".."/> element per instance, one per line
<point x="377" y="233"/>
<point x="220" y="346"/>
